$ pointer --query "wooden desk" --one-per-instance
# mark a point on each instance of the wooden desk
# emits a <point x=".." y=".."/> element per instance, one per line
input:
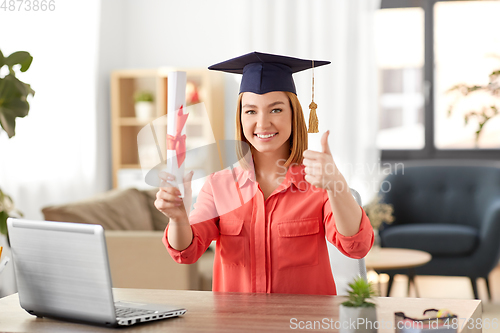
<point x="233" y="312"/>
<point x="387" y="258"/>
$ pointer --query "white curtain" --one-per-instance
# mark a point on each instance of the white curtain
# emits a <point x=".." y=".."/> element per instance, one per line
<point x="346" y="90"/>
<point x="52" y="159"/>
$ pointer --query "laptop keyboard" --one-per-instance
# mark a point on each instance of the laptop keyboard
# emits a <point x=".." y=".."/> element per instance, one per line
<point x="124" y="312"/>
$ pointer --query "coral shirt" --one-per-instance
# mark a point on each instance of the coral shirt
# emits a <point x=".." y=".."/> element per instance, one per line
<point x="269" y="246"/>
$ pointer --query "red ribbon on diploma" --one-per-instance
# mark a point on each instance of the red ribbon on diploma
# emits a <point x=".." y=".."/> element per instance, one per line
<point x="178" y="142"/>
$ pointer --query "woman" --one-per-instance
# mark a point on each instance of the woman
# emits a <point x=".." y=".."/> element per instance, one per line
<point x="273" y="242"/>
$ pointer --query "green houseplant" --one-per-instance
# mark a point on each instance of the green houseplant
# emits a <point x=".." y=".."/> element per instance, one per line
<point x="358" y="308"/>
<point x="143" y="96"/>
<point x="13" y="104"/>
<point x="484" y="113"/>
<point x="378" y="213"/>
<point x="144" y="108"/>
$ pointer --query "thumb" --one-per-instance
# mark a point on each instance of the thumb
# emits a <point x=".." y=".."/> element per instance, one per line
<point x="324" y="143"/>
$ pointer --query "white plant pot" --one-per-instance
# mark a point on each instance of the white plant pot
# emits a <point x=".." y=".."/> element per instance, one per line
<point x="144" y="110"/>
<point x="359" y="320"/>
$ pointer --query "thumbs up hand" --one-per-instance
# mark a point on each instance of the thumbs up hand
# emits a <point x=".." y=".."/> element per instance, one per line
<point x="320" y="168"/>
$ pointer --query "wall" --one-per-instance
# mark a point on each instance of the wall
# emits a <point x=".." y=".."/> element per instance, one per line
<point x="111" y="55"/>
<point x="193" y="33"/>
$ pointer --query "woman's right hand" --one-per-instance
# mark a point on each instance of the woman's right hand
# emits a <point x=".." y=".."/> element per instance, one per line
<point x="168" y="199"/>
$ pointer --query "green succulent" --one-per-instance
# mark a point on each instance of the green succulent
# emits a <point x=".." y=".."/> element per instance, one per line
<point x="13" y="92"/>
<point x="361" y="290"/>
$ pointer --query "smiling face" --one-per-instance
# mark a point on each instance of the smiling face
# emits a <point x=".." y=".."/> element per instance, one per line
<point x="266" y="121"/>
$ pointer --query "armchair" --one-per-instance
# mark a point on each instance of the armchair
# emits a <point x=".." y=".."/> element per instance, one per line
<point x="452" y="211"/>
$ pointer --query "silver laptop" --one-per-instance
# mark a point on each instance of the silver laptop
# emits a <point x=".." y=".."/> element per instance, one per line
<point x="62" y="272"/>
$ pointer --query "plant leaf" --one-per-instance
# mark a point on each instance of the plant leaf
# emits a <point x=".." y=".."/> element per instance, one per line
<point x="17" y="107"/>
<point x="494" y="74"/>
<point x="10" y="88"/>
<point x="28" y="88"/>
<point x="360" y="291"/>
<point x="455" y="87"/>
<point x="3" y="222"/>
<point x="13" y="102"/>
<point x="8" y="122"/>
<point x="22" y="58"/>
<point x="23" y="88"/>
<point x="2" y="59"/>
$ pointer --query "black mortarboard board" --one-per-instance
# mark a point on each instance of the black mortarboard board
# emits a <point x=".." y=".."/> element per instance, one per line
<point x="263" y="72"/>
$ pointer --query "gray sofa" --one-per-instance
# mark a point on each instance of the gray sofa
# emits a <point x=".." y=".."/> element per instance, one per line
<point x="134" y="229"/>
<point x="450" y="209"/>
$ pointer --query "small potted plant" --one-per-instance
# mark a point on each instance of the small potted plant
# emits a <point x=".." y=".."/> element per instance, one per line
<point x="144" y="107"/>
<point x="378" y="213"/>
<point x="358" y="309"/>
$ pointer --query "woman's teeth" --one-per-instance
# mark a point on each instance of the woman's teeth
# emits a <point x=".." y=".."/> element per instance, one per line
<point x="265" y="136"/>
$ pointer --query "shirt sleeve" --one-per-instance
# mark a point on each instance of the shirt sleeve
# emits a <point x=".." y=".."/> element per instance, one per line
<point x="204" y="230"/>
<point x="355" y="246"/>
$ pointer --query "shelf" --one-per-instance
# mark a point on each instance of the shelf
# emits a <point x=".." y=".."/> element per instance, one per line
<point x="130" y="166"/>
<point x="133" y="121"/>
<point x="203" y="85"/>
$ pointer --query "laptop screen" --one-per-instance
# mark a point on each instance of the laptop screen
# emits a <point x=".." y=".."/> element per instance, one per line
<point x="62" y="270"/>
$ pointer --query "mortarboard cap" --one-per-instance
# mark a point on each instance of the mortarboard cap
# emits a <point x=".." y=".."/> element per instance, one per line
<point x="263" y="72"/>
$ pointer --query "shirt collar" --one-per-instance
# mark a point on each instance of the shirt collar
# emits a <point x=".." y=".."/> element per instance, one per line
<point x="244" y="175"/>
<point x="294" y="175"/>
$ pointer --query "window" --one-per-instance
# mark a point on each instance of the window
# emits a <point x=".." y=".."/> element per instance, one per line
<point x="425" y="47"/>
<point x="400" y="59"/>
<point x="467" y="50"/>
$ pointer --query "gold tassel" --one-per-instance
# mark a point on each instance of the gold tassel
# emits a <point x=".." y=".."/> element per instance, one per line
<point x="313" y="117"/>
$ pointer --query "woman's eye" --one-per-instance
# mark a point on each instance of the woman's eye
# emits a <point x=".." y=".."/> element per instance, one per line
<point x="276" y="110"/>
<point x="250" y="112"/>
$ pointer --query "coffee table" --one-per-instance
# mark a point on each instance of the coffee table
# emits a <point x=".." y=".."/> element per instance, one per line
<point x="387" y="258"/>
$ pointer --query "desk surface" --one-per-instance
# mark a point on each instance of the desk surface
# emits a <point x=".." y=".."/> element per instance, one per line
<point x="394" y="258"/>
<point x="233" y="312"/>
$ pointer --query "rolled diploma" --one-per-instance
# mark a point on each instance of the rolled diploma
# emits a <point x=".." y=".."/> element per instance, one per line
<point x="176" y="97"/>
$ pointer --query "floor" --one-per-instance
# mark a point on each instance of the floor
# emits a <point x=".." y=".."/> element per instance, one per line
<point x="450" y="287"/>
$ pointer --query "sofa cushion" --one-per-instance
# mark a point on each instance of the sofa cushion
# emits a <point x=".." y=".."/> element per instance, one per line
<point x="114" y="210"/>
<point x="160" y="221"/>
<point x="438" y="240"/>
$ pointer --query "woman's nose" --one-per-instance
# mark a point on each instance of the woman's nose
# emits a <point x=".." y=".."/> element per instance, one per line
<point x="263" y="120"/>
